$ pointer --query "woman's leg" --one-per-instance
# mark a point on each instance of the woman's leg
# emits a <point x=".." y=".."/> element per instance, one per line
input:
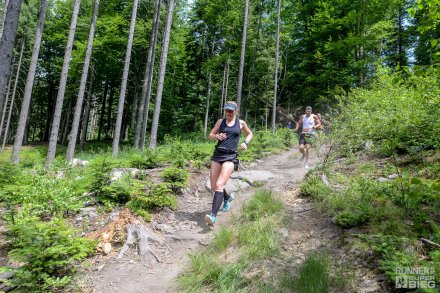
<point x="214" y="173"/>
<point x="226" y="170"/>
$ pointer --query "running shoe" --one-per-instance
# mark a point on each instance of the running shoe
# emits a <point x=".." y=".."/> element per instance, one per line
<point x="210" y="219"/>
<point x="306" y="166"/>
<point x="227" y="203"/>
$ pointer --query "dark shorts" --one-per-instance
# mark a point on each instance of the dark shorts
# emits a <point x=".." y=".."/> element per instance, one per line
<point x="306" y="138"/>
<point x="222" y="156"/>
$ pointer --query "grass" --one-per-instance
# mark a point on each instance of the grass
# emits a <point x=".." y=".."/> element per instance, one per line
<point x="253" y="237"/>
<point x="404" y="209"/>
<point x="235" y="259"/>
<point x="312" y="276"/>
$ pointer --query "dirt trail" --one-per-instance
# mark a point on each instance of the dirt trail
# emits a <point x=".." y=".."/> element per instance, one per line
<point x="184" y="231"/>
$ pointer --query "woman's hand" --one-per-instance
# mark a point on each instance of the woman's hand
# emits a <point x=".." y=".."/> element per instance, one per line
<point x="243" y="146"/>
<point x="221" y="136"/>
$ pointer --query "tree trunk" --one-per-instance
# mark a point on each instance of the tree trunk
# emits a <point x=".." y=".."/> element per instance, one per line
<point x="85" y="121"/>
<point x="243" y="51"/>
<point x="15" y="158"/>
<point x="11" y="107"/>
<point x="225" y="91"/>
<point x="7" y="41"/>
<point x="254" y="58"/>
<point x="53" y="140"/>
<point x="101" y="115"/>
<point x="141" y="125"/>
<point x="116" y="137"/>
<point x="275" y="88"/>
<point x="82" y="87"/>
<point x="205" y="129"/>
<point x="2" y="16"/>
<point x="67" y="121"/>
<point x="7" y="96"/>
<point x="220" y="110"/>
<point x="110" y="111"/>
<point x="162" y="70"/>
<point x="50" y="110"/>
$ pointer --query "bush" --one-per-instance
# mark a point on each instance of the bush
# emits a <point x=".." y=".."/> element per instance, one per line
<point x="159" y="195"/>
<point x="144" y="160"/>
<point x="397" y="115"/>
<point x="349" y="219"/>
<point x="177" y="178"/>
<point x="48" y="252"/>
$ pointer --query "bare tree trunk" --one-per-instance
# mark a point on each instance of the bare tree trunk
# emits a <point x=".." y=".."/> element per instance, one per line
<point x="7" y="41"/>
<point x="220" y="110"/>
<point x="53" y="139"/>
<point x="7" y="97"/>
<point x="85" y="121"/>
<point x="205" y="129"/>
<point x="243" y="51"/>
<point x="82" y="87"/>
<point x="254" y="58"/>
<point x="15" y="158"/>
<point x="162" y="70"/>
<point x="141" y="124"/>
<point x="11" y="107"/>
<point x="2" y="16"/>
<point x="116" y="137"/>
<point x="110" y="111"/>
<point x="101" y="115"/>
<point x="275" y="89"/>
<point x="67" y="121"/>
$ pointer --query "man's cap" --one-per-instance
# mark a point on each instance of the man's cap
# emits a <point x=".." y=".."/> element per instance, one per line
<point x="308" y="108"/>
<point x="230" y="106"/>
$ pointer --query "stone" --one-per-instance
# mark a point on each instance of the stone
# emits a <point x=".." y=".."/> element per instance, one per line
<point x="252" y="176"/>
<point x="89" y="212"/>
<point x="284" y="232"/>
<point x="368" y="145"/>
<point x="107" y="248"/>
<point x="393" y="176"/>
<point x="79" y="163"/>
<point x="165" y="228"/>
<point x="118" y="173"/>
<point x="382" y="179"/>
<point x="59" y="174"/>
<point x="369" y="286"/>
<point x="233" y="185"/>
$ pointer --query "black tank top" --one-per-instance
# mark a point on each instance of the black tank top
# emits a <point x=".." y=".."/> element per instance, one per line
<point x="232" y="136"/>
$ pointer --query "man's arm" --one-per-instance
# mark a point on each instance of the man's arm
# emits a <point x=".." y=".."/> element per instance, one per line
<point x="317" y="122"/>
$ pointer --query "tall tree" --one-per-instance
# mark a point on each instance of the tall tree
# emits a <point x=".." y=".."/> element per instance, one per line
<point x="141" y="124"/>
<point x="19" y="135"/>
<point x="82" y="87"/>
<point x="86" y="115"/>
<point x="7" y="41"/>
<point x="208" y="97"/>
<point x="277" y="52"/>
<point x="162" y="70"/>
<point x="11" y="104"/>
<point x="53" y="140"/>
<point x="117" y="136"/>
<point x="242" y="54"/>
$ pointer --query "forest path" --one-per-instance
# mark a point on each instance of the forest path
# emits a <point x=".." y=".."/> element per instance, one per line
<point x="184" y="230"/>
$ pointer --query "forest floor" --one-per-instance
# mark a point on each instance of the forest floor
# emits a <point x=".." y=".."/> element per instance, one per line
<point x="183" y="232"/>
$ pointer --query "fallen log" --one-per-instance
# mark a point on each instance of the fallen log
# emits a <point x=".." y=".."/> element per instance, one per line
<point x="429" y="242"/>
